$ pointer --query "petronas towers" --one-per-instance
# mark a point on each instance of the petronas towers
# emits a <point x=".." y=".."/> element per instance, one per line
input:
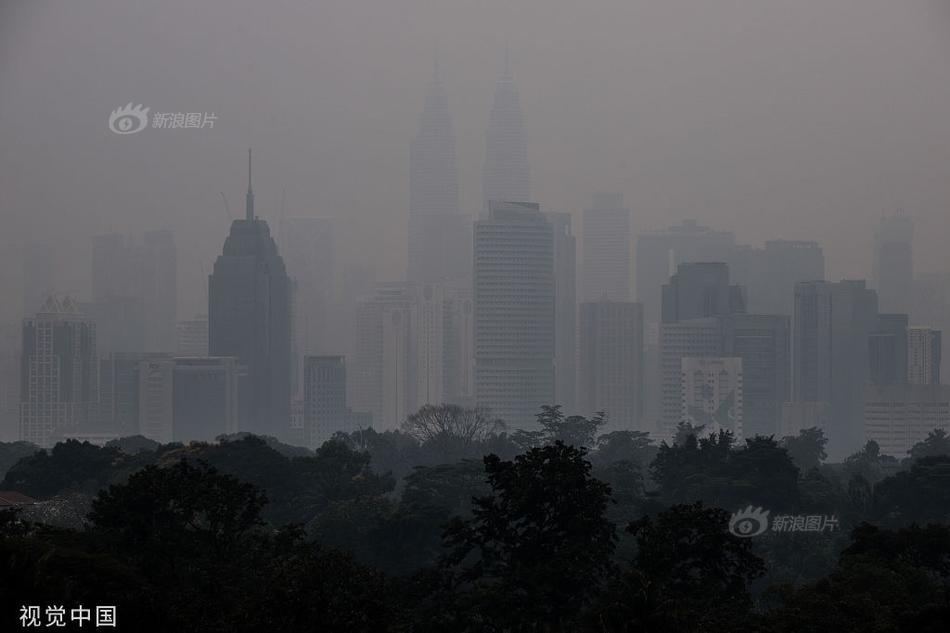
<point x="440" y="238"/>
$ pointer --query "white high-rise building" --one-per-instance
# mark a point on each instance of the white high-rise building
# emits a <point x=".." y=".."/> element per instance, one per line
<point x="59" y="386"/>
<point x="899" y="416"/>
<point x="711" y="394"/>
<point x="401" y="351"/>
<point x="514" y="300"/>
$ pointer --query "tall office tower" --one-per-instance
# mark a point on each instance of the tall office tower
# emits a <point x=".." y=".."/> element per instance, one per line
<point x="658" y="254"/>
<point x="887" y="350"/>
<point x="923" y="355"/>
<point x="308" y="253"/>
<point x="775" y="269"/>
<point x="38" y="277"/>
<point x="439" y="235"/>
<point x="159" y="289"/>
<point x="506" y="176"/>
<point x="831" y="329"/>
<point x="762" y="342"/>
<point x="193" y="336"/>
<point x="427" y="328"/>
<point x="205" y="399"/>
<point x="187" y="399"/>
<point x="459" y="354"/>
<point x="58" y="372"/>
<point x="610" y="373"/>
<point x="119" y="391"/>
<point x="606" y="249"/>
<point x="700" y="290"/>
<point x="118" y="303"/>
<point x="711" y="394"/>
<point x="696" y="302"/>
<point x="10" y="340"/>
<point x="932" y="306"/>
<point x="565" y="310"/>
<point x="156" y="399"/>
<point x="693" y="338"/>
<point x="383" y="371"/>
<point x="324" y="398"/>
<point x="899" y="416"/>
<point x="894" y="262"/>
<point x="514" y="299"/>
<point x="249" y="318"/>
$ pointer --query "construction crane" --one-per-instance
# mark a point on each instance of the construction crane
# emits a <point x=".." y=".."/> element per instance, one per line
<point x="227" y="207"/>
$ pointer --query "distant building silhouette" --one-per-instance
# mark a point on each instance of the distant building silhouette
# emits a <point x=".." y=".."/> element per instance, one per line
<point x="308" y="247"/>
<point x="440" y="237"/>
<point x="924" y="351"/>
<point x="776" y="268"/>
<point x="658" y="253"/>
<point x="607" y="265"/>
<point x="324" y="398"/>
<point x="565" y="310"/>
<point x="610" y="371"/>
<point x="898" y="416"/>
<point x="135" y="292"/>
<point x="249" y="318"/>
<point x="188" y="399"/>
<point x="887" y="350"/>
<point x="58" y="372"/>
<point x="894" y="262"/>
<point x="832" y="326"/>
<point x="514" y="300"/>
<point x="763" y="343"/>
<point x="506" y="175"/>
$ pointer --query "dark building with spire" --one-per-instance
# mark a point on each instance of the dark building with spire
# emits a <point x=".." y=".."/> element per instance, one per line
<point x="249" y="317"/>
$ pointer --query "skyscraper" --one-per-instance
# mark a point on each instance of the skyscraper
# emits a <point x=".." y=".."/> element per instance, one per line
<point x="324" y="398"/>
<point x="887" y="350"/>
<point x="135" y="292"/>
<point x="700" y="290"/>
<point x="249" y="318"/>
<point x="832" y="325"/>
<point x="439" y="235"/>
<point x="923" y="355"/>
<point x="565" y="310"/>
<point x="658" y="254"/>
<point x="308" y="246"/>
<point x="384" y="373"/>
<point x="159" y="287"/>
<point x="514" y="300"/>
<point x="58" y="372"/>
<point x="610" y="376"/>
<point x="697" y="302"/>
<point x="762" y="342"/>
<point x="193" y="336"/>
<point x="606" y="249"/>
<point x="894" y="262"/>
<point x="775" y="269"/>
<point x="506" y="176"/>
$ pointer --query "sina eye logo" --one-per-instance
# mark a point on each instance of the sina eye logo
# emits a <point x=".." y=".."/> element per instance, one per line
<point x="749" y="522"/>
<point x="128" y="120"/>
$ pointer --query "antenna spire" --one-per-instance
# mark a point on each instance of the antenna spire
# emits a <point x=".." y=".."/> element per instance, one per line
<point x="249" y="199"/>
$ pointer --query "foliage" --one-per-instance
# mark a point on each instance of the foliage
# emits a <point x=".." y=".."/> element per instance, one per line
<point x="537" y="548"/>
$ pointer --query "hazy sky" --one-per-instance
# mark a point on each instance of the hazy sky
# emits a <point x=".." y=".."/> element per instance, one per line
<point x="800" y="119"/>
